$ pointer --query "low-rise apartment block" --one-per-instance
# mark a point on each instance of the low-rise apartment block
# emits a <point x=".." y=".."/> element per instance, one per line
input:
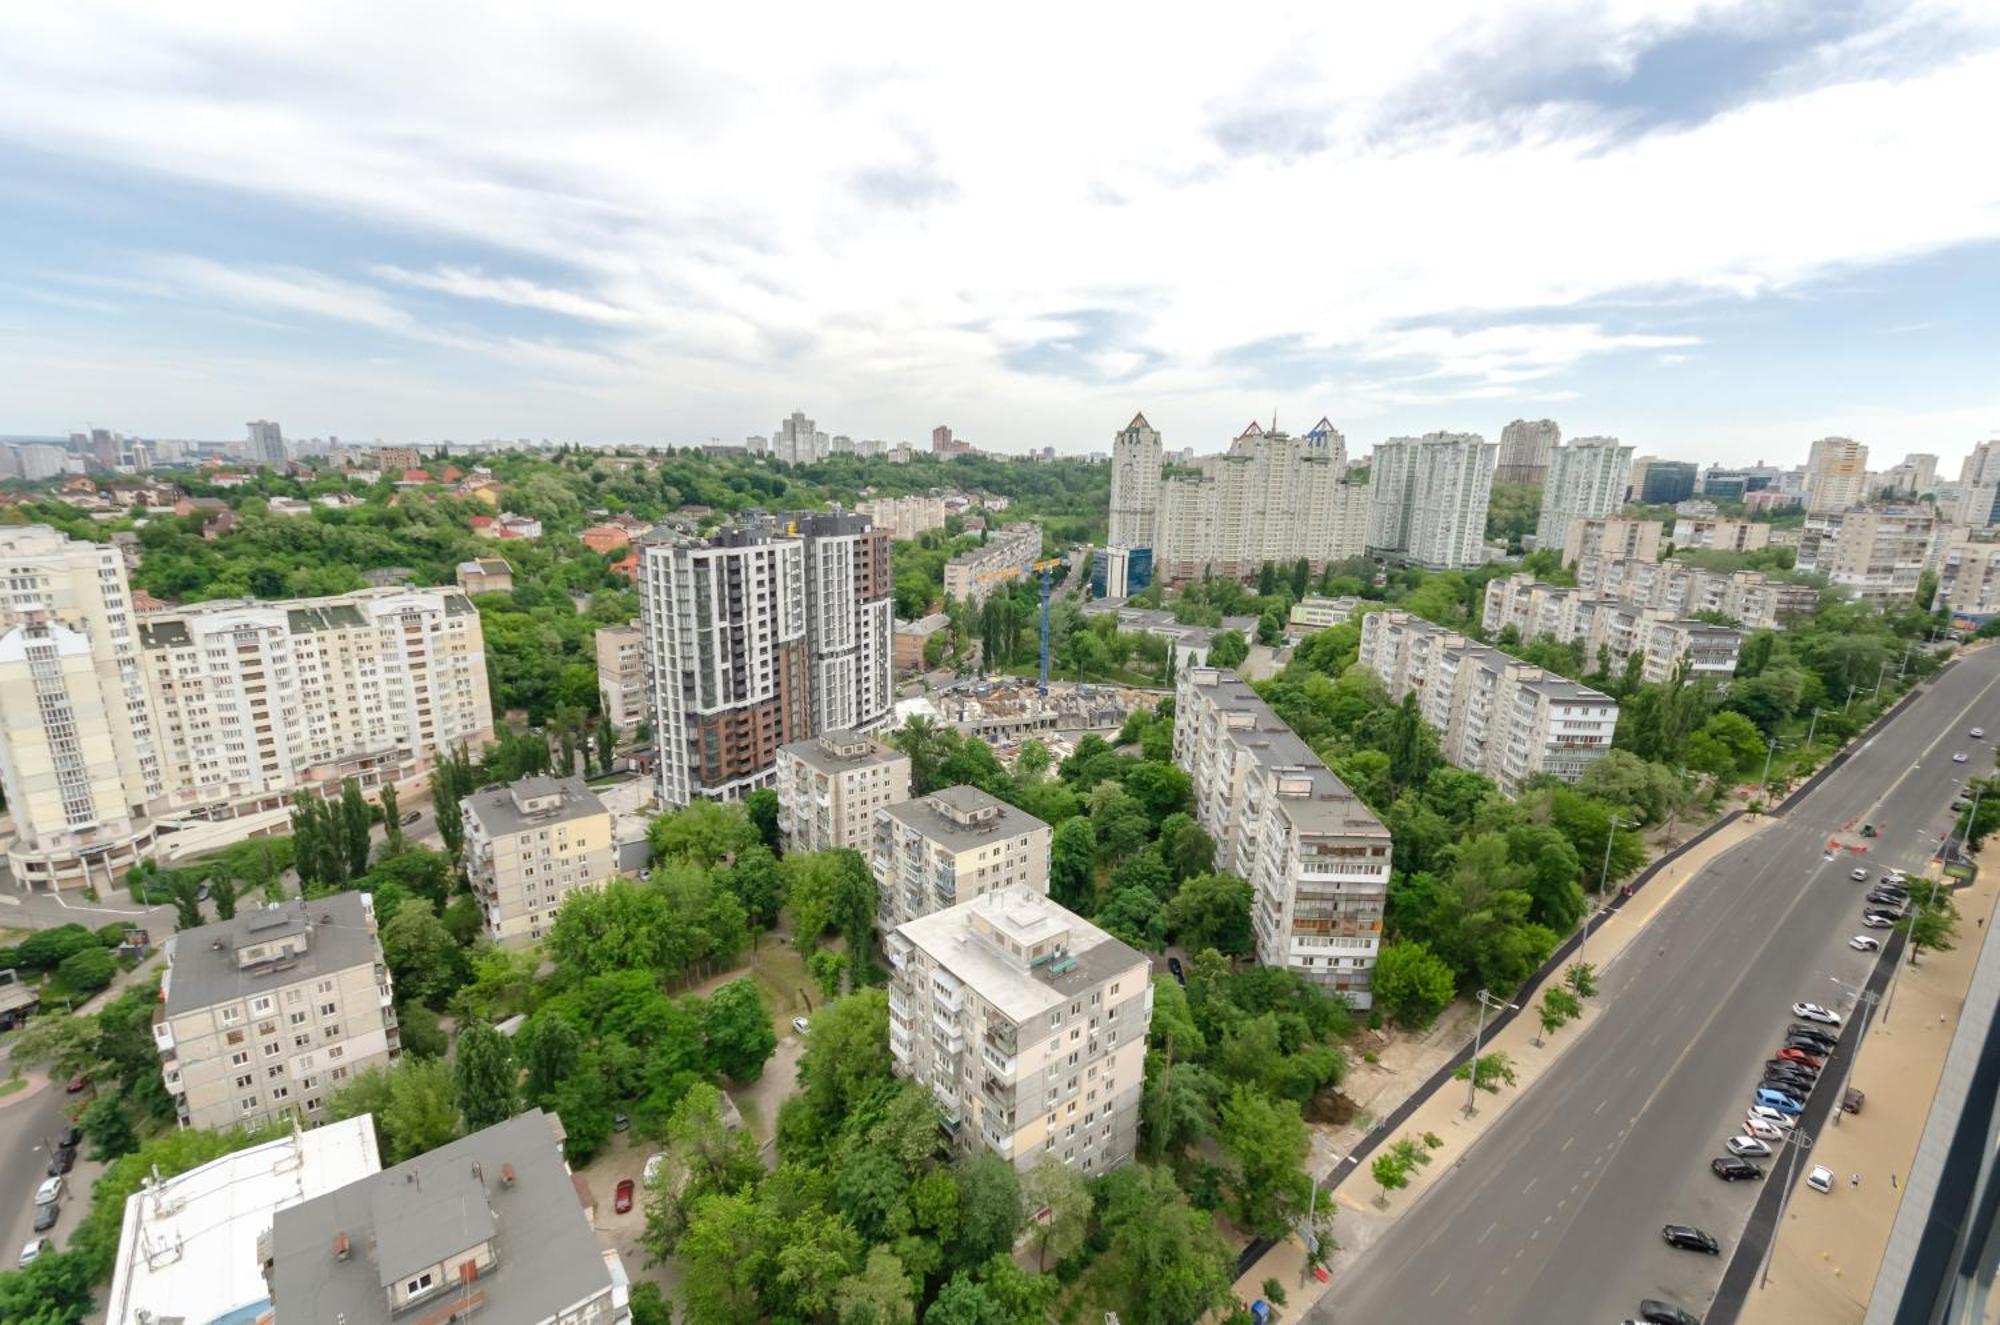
<point x="830" y="787"/>
<point x="951" y="846"/>
<point x="1028" y="1024"/>
<point x="913" y="636"/>
<point x="1493" y="713"/>
<point x="1753" y="599"/>
<point x="621" y="676"/>
<point x="1318" y="612"/>
<point x="1317" y="860"/>
<point x="1878" y="554"/>
<point x="1611" y="536"/>
<point x="904" y="517"/>
<point x="486" y="1228"/>
<point x="1006" y="556"/>
<point x="1534" y="609"/>
<point x="1721" y="535"/>
<point x="528" y="846"/>
<point x="267" y="1014"/>
<point x="1969" y="581"/>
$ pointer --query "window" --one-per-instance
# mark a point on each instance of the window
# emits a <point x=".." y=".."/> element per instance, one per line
<point x="245" y="1081"/>
<point x="336" y="1051"/>
<point x="261" y="1005"/>
<point x="418" y="1284"/>
<point x="327" y="1009"/>
<point x="230" y="1016"/>
<point x="298" y="1019"/>
<point x="274" y="1071"/>
<point x="302" y="1040"/>
<point x="239" y="1058"/>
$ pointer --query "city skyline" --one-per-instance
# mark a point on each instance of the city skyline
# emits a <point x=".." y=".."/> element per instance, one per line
<point x="1644" y="225"/>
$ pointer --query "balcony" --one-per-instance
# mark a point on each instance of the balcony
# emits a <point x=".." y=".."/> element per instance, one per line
<point x="1001" y="1066"/>
<point x="1002" y="1146"/>
<point x="172" y="1077"/>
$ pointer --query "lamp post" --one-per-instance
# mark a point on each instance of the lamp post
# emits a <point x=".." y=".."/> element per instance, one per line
<point x="1603" y="879"/>
<point x="1486" y="1000"/>
<point x="1310" y="1237"/>
<point x="1880" y="672"/>
<point x="1812" y="727"/>
<point x="1867" y="998"/>
<point x="1797" y="1141"/>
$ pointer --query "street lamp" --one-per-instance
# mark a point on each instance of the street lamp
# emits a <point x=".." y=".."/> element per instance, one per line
<point x="1486" y="1000"/>
<point x="1603" y="878"/>
<point x="1311" y="1238"/>
<point x="1867" y="998"/>
<point x="1797" y="1141"/>
<point x="1812" y="727"/>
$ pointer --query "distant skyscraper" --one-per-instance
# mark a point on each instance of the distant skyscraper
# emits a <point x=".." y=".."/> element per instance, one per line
<point x="793" y="442"/>
<point x="1524" y="451"/>
<point x="1135" y="484"/>
<point x="941" y="439"/>
<point x="1916" y="476"/>
<point x="267" y="444"/>
<point x="1836" y="474"/>
<point x="1664" y="482"/>
<point x="1430" y="497"/>
<point x="1586" y="479"/>
<point x="1272" y="497"/>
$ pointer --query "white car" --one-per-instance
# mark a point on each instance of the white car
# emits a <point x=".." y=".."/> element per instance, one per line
<point x="800" y="1025"/>
<point x="1978" y="733"/>
<point x="34" y="1251"/>
<point x="1814" y="1012"/>
<point x="1858" y="875"/>
<point x="1878" y="920"/>
<point x="1764" y="1130"/>
<point x="1959" y="757"/>
<point x="1747" y="1147"/>
<point x="1820" y="1179"/>
<point x="1864" y="943"/>
<point x="652" y="1169"/>
<point x="49" y="1190"/>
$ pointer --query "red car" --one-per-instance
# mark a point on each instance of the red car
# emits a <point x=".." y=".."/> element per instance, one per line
<point x="76" y="1084"/>
<point x="623" y="1201"/>
<point x="1801" y="1056"/>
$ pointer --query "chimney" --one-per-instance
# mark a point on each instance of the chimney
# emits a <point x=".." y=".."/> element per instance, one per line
<point x="340" y="1245"/>
<point x="506" y="1175"/>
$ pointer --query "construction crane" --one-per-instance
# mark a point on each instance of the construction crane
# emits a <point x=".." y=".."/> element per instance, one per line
<point x="1043" y="568"/>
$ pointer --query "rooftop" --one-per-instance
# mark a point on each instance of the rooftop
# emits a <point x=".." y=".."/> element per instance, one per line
<point x="201" y="963"/>
<point x="939" y="817"/>
<point x="827" y="751"/>
<point x="189" y="1245"/>
<point x="532" y="802"/>
<point x="1329" y="806"/>
<point x="507" y="1184"/>
<point x="1017" y="989"/>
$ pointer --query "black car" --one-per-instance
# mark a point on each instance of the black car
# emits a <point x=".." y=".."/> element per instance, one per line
<point x="1174" y="969"/>
<point x="1789" y="1072"/>
<point x="71" y="1138"/>
<point x="1790" y="1065"/>
<point x="1808" y="1033"/>
<point x="1655" y="1312"/>
<point x="1689" y="1238"/>
<point x="62" y="1161"/>
<point x="45" y="1217"/>
<point x="1895" y="901"/>
<point x="1732" y="1169"/>
<point x="1817" y="1048"/>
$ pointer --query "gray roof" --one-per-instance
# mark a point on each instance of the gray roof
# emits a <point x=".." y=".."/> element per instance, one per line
<point x="497" y="810"/>
<point x="812" y="753"/>
<point x="927" y="819"/>
<point x="201" y="963"/>
<point x="1332" y="807"/>
<point x="431" y="1209"/>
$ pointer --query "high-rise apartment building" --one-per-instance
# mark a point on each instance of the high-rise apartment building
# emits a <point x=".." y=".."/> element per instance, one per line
<point x="78" y="757"/>
<point x="1877" y="554"/>
<point x="1720" y="535"/>
<point x="1525" y="448"/>
<point x="252" y="701"/>
<point x="1006" y="556"/>
<point x="1753" y="599"/>
<point x="1611" y="536"/>
<point x="1620" y="629"/>
<point x="1317" y="860"/>
<point x="1430" y="498"/>
<point x="1493" y="713"/>
<point x="621" y="676"/>
<point x="1914" y="477"/>
<point x="850" y="622"/>
<point x="726" y="665"/>
<point x="528" y="846"/>
<point x="1969" y="581"/>
<point x="1836" y="474"/>
<point x="951" y="846"/>
<point x="1586" y="480"/>
<point x="830" y="787"/>
<point x="267" y="1014"/>
<point x="1135" y="484"/>
<point x="267" y="444"/>
<point x="1028" y="1025"/>
<point x="904" y="517"/>
<point x="485" y="1228"/>
<point x="798" y="442"/>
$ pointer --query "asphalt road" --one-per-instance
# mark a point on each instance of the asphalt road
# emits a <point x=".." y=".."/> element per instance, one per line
<point x="25" y="1127"/>
<point x="1555" y="1215"/>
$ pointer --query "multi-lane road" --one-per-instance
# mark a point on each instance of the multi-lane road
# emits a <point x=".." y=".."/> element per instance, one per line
<point x="1555" y="1214"/>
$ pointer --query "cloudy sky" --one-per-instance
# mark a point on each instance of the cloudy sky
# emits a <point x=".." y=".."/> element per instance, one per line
<point x="1717" y="230"/>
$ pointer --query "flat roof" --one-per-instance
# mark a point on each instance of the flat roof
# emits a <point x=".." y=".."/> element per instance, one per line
<point x="498" y="810"/>
<point x="201" y="963"/>
<point x="1332" y="807"/>
<point x="1020" y="992"/>
<point x="189" y="1245"/>
<point x="812" y="753"/>
<point x="923" y="816"/>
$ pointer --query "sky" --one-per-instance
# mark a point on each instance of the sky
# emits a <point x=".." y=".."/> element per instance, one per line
<point x="1714" y="230"/>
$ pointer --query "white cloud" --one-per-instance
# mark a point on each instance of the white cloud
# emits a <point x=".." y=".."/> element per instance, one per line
<point x="863" y="213"/>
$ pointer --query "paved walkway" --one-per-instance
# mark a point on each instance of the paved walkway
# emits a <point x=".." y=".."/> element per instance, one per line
<point x="1362" y="1214"/>
<point x="1828" y="1251"/>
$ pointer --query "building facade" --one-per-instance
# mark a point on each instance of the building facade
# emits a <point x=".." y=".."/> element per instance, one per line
<point x="1271" y="497"/>
<point x="621" y="676"/>
<point x="1317" y="860"/>
<point x="830" y="787"/>
<point x="1005" y="557"/>
<point x="850" y="622"/>
<point x="1135" y="484"/>
<point x="1587" y="480"/>
<point x="727" y="680"/>
<point x="1721" y="535"/>
<point x="1836" y="474"/>
<point x="485" y="575"/>
<point x="1611" y="536"/>
<point x="1969" y="581"/>
<point x="1318" y="612"/>
<point x="904" y="517"/>
<point x="951" y="846"/>
<point x="1878" y="554"/>
<point x="1753" y="599"/>
<point x="1534" y="609"/>
<point x="1493" y="713"/>
<point x="1120" y="572"/>
<point x="266" y="1015"/>
<point x="1429" y="500"/>
<point x="1525" y="448"/>
<point x="1028" y="1025"/>
<point x="528" y="846"/>
<point x="1664" y="482"/>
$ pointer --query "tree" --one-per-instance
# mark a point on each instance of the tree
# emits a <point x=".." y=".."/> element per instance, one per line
<point x="703" y="1156"/>
<point x="105" y="1124"/>
<point x="87" y="971"/>
<point x="185" y="889"/>
<point x="392" y="818"/>
<point x="1185" y="847"/>
<point x="1494" y="1070"/>
<point x="1228" y="649"/>
<point x="422" y="1031"/>
<point x="1072" y="865"/>
<point x="989" y="1208"/>
<point x="737" y="1027"/>
<point x="1058" y="1189"/>
<point x="354" y="822"/>
<point x="846" y="1057"/>
<point x="728" y="1249"/>
<point x="878" y="1295"/>
<point x="830" y="889"/>
<point x="1164" y="1257"/>
<point x="1412" y="984"/>
<point x="923" y="741"/>
<point x="705" y="832"/>
<point x="606" y="743"/>
<point x="1212" y="911"/>
<point x="1581" y="977"/>
<point x="413" y="1103"/>
<point x="761" y="807"/>
<point x="1931" y="926"/>
<point x="422" y="956"/>
<point x="1558" y="1008"/>
<point x="756" y="881"/>
<point x="550" y="1047"/>
<point x="1265" y="1142"/>
<point x="1391" y="1173"/>
<point x="486" y="1078"/>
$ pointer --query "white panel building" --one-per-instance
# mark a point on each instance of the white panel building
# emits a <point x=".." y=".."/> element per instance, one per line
<point x="1587" y="479"/>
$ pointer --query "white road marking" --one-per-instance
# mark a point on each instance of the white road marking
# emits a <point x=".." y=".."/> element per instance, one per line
<point x="1489" y="1230"/>
<point x="1567" y="1144"/>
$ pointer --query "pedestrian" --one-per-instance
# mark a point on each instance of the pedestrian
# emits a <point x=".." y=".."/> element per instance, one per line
<point x="1892" y="1182"/>
<point x="1854" y="1181"/>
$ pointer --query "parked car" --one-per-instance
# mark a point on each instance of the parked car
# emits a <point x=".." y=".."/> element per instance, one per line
<point x="1878" y="920"/>
<point x="1782" y="1101"/>
<point x="622" y="1202"/>
<point x="50" y="1190"/>
<point x="1806" y="1030"/>
<point x="1770" y="1115"/>
<point x="45" y="1216"/>
<point x="1795" y="1083"/>
<point x="652" y="1169"/>
<point x="1978" y="733"/>
<point x="1958" y="757"/>
<point x="35" y="1250"/>
<point x="1175" y="969"/>
<point x="411" y="818"/>
<point x="1748" y="1147"/>
<point x="1764" y="1129"/>
<point x="1820" y="1179"/>
<point x="62" y="1161"/>
<point x="1814" y="1012"/>
<point x="1734" y="1169"/>
<point x="800" y="1025"/>
<point x="1851" y="1100"/>
<point x="76" y="1084"/>
<point x="1858" y="874"/>
<point x="620" y="1122"/>
<point x="1801" y="1056"/>
<point x="1888" y="898"/>
<point x="71" y="1138"/>
<point x="1655" y="1312"/>
<point x="1689" y="1238"/>
<point x="1864" y="943"/>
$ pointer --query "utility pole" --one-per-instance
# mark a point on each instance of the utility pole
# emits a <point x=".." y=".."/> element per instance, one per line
<point x="1867" y="998"/>
<point x="1797" y="1141"/>
<point x="1603" y="881"/>
<point x="1812" y="727"/>
<point x="1880" y="672"/>
<point x="1764" y="783"/>
<point x="1486" y="1000"/>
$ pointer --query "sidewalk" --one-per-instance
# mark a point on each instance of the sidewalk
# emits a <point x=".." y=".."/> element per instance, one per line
<point x="1830" y="1246"/>
<point x="1361" y="1219"/>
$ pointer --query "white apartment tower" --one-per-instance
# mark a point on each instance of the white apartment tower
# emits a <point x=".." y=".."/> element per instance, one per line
<point x="78" y="758"/>
<point x="850" y="622"/>
<point x="1586" y="479"/>
<point x="830" y="787"/>
<point x="951" y="846"/>
<point x="1525" y="448"/>
<point x="621" y="675"/>
<point x="267" y="444"/>
<point x="1878" y="554"/>
<point x="1430" y="498"/>
<point x="1271" y="497"/>
<point x="1028" y="1025"/>
<point x="1836" y="474"/>
<point x="1317" y="860"/>
<point x="1135" y="484"/>
<point x="528" y="846"/>
<point x="726" y="668"/>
